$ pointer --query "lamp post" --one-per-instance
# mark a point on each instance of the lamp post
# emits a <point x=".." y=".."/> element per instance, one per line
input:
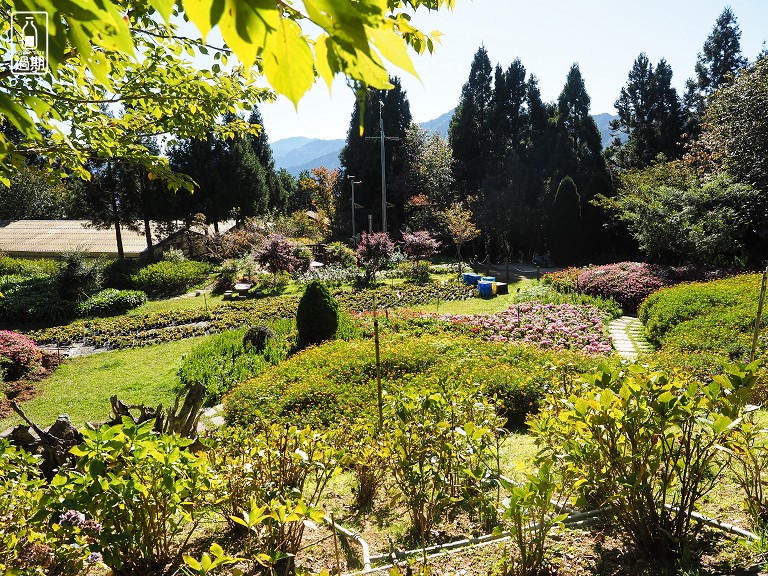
<point x="352" y="178"/>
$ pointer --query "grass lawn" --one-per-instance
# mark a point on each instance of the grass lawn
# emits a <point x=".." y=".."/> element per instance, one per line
<point x="178" y="303"/>
<point x="81" y="387"/>
<point x="478" y="305"/>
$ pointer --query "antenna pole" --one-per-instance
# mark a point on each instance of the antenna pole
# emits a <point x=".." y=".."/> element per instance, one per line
<point x="383" y="171"/>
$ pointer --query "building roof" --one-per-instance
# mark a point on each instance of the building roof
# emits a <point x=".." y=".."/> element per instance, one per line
<point x="40" y="238"/>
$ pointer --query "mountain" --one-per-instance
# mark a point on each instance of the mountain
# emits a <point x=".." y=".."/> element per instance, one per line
<point x="439" y="124"/>
<point x="300" y="153"/>
<point x="602" y="121"/>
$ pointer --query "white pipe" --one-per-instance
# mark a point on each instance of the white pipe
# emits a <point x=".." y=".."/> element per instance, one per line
<point x="715" y="523"/>
<point x="354" y="536"/>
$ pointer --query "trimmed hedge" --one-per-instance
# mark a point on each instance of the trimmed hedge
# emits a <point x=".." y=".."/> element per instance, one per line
<point x="336" y="381"/>
<point x="317" y="316"/>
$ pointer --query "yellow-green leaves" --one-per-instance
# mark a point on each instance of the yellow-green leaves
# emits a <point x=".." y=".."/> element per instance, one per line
<point x="288" y="61"/>
<point x="247" y="26"/>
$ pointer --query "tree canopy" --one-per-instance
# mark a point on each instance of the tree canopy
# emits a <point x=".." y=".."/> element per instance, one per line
<point x="133" y="53"/>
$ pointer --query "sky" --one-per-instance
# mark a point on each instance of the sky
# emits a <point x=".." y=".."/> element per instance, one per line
<point x="603" y="36"/>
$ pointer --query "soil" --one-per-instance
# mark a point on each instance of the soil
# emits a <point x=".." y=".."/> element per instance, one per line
<point x="25" y="389"/>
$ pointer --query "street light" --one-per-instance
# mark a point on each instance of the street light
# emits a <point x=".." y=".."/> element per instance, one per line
<point x="352" y="178"/>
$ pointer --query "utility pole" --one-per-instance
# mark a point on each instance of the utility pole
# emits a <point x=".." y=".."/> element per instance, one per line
<point x="352" y="178"/>
<point x="381" y="137"/>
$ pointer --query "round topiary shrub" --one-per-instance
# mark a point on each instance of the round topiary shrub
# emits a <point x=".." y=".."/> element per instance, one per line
<point x="256" y="337"/>
<point x="18" y="354"/>
<point x="317" y="317"/>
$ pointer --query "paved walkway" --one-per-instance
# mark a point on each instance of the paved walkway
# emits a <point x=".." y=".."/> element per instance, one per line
<point x="628" y="337"/>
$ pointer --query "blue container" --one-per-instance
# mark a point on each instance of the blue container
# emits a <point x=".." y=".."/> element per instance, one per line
<point x="488" y="278"/>
<point x="485" y="288"/>
<point x="467" y="278"/>
<point x="472" y="278"/>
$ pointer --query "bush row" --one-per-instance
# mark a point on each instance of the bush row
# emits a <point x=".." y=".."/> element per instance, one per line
<point x="335" y="381"/>
<point x="628" y="283"/>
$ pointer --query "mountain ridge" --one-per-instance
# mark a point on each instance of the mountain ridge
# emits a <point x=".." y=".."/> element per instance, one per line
<point x="299" y="153"/>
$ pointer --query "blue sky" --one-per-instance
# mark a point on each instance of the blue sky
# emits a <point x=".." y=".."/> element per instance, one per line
<point x="603" y="36"/>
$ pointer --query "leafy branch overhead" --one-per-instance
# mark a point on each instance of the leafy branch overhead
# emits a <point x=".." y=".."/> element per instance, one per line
<point x="137" y="54"/>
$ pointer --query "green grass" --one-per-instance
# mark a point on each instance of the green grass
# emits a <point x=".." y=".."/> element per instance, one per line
<point x="178" y="303"/>
<point x="478" y="305"/>
<point x="81" y="387"/>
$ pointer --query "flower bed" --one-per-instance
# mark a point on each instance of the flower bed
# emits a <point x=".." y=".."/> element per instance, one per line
<point x="556" y="326"/>
<point x="629" y="283"/>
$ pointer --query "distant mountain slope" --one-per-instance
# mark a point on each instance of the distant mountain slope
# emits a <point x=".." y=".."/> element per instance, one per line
<point x="439" y="124"/>
<point x="602" y="121"/>
<point x="300" y="153"/>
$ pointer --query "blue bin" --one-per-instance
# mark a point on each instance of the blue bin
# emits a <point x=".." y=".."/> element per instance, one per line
<point x="467" y="278"/>
<point x="472" y="279"/>
<point x="485" y="288"/>
<point x="488" y="278"/>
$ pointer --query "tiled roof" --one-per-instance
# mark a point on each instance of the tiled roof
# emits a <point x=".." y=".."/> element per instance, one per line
<point x="52" y="237"/>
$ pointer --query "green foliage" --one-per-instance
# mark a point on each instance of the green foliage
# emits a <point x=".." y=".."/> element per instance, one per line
<point x="702" y="324"/>
<point x="208" y="563"/>
<point x="565" y="223"/>
<point x="647" y="444"/>
<point x="110" y="302"/>
<point x="222" y="361"/>
<point x="341" y="254"/>
<point x="118" y="272"/>
<point x="257" y="337"/>
<point x="144" y="489"/>
<point x="167" y="277"/>
<point x="23" y="267"/>
<point x="440" y="443"/>
<point x="530" y="515"/>
<point x="79" y="277"/>
<point x="273" y="479"/>
<point x="336" y="381"/>
<point x="317" y="317"/>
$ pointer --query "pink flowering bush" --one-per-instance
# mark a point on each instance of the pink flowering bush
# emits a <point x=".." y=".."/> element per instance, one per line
<point x="18" y="354"/>
<point x="556" y="326"/>
<point x="629" y="283"/>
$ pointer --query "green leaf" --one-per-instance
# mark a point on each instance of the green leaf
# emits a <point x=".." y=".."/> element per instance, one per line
<point x="289" y="63"/>
<point x="391" y="46"/>
<point x="249" y="25"/>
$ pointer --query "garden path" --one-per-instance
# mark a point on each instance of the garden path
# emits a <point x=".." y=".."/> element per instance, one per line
<point x="628" y="337"/>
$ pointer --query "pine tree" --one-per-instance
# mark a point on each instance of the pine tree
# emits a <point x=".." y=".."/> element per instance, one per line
<point x="716" y="66"/>
<point x="468" y="133"/>
<point x="650" y="113"/>
<point x="260" y="144"/>
<point x="361" y="158"/>
<point x="565" y="230"/>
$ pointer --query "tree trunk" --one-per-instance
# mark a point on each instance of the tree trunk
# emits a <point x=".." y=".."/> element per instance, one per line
<point x="116" y="219"/>
<point x="145" y="213"/>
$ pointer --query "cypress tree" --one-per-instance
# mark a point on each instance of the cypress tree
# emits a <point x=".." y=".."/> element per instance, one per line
<point x="565" y="230"/>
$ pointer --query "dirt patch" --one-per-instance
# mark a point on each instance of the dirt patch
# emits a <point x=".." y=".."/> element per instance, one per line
<point x="25" y="389"/>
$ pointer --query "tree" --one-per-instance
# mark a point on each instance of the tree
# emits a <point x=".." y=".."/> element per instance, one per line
<point x="277" y="195"/>
<point x="321" y="187"/>
<point x="32" y="195"/>
<point x="420" y="245"/>
<point x="734" y="135"/>
<point x="565" y="230"/>
<point x="277" y="255"/>
<point x="458" y="221"/>
<point x="650" y="114"/>
<point x="361" y="157"/>
<point x="718" y="62"/>
<point x="469" y="126"/>
<point x="373" y="251"/>
<point x="102" y="52"/>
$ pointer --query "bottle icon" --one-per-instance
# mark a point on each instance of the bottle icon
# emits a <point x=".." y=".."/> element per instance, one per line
<point x="29" y="34"/>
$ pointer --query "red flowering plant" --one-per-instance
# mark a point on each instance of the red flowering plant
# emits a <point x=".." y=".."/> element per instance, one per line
<point x="18" y="354"/>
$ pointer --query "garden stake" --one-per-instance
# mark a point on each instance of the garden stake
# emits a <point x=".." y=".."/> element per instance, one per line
<point x="758" y="317"/>
<point x="378" y="363"/>
<point x="335" y="543"/>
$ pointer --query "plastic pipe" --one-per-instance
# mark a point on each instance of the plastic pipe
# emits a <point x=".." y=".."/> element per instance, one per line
<point x="354" y="536"/>
<point x="715" y="523"/>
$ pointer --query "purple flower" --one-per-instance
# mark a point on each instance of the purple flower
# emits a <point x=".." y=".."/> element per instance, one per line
<point x="73" y="517"/>
<point x="94" y="557"/>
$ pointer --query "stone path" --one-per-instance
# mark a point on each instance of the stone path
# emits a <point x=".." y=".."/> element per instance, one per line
<point x="628" y="337"/>
<point x="211" y="418"/>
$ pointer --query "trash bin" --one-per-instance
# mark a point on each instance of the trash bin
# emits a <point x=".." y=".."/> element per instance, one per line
<point x="488" y="278"/>
<point x="502" y="288"/>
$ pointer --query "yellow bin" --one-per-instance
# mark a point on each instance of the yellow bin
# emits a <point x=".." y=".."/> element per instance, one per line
<point x="493" y="288"/>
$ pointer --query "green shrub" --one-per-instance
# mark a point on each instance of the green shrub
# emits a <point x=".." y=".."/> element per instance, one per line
<point x="645" y="444"/>
<point x="110" y="302"/>
<point x="222" y="361"/>
<point x="80" y="276"/>
<point x="257" y="337"/>
<point x="167" y="277"/>
<point x="303" y="257"/>
<point x="33" y="299"/>
<point x="338" y="253"/>
<point x="24" y="267"/>
<point x="336" y="381"/>
<point x="118" y="272"/>
<point x="143" y="488"/>
<point x="317" y="317"/>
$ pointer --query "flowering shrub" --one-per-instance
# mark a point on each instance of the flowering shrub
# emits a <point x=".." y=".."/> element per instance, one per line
<point x="374" y="251"/>
<point x="18" y="354"/>
<point x="278" y="255"/>
<point x="559" y="326"/>
<point x="629" y="283"/>
<point x="420" y="245"/>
